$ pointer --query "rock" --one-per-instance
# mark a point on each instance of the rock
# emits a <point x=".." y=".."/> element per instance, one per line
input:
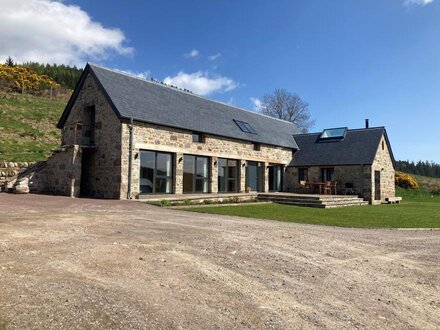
<point x="23" y="181"/>
<point x="21" y="189"/>
<point x="10" y="164"/>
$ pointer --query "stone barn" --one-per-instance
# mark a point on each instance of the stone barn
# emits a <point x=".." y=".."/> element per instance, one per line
<point x="124" y="137"/>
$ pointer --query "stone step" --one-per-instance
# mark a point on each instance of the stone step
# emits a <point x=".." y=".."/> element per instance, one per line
<point x="324" y="205"/>
<point x="308" y="197"/>
<point x="299" y="199"/>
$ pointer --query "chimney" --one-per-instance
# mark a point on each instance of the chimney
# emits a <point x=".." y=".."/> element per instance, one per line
<point x="367" y="123"/>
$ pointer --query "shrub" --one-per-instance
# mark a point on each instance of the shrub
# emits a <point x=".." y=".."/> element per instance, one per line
<point x="435" y="191"/>
<point x="406" y="181"/>
<point x="164" y="203"/>
<point x="208" y="201"/>
<point x="187" y="202"/>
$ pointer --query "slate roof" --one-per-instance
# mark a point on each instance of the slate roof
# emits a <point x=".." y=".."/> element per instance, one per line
<point x="358" y="147"/>
<point x="151" y="102"/>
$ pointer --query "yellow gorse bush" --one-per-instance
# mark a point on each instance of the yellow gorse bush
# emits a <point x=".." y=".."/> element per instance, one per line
<point x="23" y="79"/>
<point x="406" y="181"/>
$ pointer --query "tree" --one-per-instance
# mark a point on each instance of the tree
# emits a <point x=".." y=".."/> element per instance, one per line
<point x="10" y="62"/>
<point x="288" y="106"/>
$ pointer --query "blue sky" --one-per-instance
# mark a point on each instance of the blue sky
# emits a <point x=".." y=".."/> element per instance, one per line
<point x="350" y="60"/>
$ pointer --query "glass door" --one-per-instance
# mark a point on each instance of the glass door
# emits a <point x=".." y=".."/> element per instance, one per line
<point x="254" y="176"/>
<point x="156" y="173"/>
<point x="195" y="174"/>
<point x="227" y="175"/>
<point x="275" y="177"/>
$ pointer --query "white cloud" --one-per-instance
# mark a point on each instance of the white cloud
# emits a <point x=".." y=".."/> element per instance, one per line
<point x="201" y="82"/>
<point x="256" y="103"/>
<point x="192" y="54"/>
<point x="417" y="2"/>
<point x="50" y="31"/>
<point x="214" y="57"/>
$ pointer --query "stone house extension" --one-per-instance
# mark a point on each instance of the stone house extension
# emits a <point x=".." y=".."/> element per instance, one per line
<point x="123" y="137"/>
<point x="359" y="160"/>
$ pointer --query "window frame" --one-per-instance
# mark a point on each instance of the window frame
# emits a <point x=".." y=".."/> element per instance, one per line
<point x="245" y="126"/>
<point x="155" y="175"/>
<point x="327" y="170"/>
<point x="339" y="137"/>
<point x="227" y="178"/>
<point x="303" y="177"/>
<point x="200" y="137"/>
<point x="206" y="179"/>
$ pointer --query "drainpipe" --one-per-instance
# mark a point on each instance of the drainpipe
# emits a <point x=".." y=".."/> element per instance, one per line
<point x="362" y="180"/>
<point x="130" y="157"/>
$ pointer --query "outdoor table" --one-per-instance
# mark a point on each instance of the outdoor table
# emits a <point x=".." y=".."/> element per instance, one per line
<point x="316" y="186"/>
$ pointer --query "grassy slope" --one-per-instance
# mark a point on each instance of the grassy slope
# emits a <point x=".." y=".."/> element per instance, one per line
<point x="417" y="210"/>
<point x="27" y="126"/>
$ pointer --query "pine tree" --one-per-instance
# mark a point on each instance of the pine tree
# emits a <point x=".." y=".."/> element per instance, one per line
<point x="10" y="62"/>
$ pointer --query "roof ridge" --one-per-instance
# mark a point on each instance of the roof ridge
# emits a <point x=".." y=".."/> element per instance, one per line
<point x="348" y="130"/>
<point x="189" y="93"/>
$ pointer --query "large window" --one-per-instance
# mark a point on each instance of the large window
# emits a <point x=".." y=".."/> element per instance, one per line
<point x="327" y="174"/>
<point x="195" y="174"/>
<point x="156" y="172"/>
<point x="227" y="175"/>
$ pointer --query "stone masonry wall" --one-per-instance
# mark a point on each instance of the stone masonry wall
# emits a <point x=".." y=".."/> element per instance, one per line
<point x="362" y="176"/>
<point x="384" y="164"/>
<point x="358" y="175"/>
<point x="177" y="141"/>
<point x="60" y="175"/>
<point x="103" y="163"/>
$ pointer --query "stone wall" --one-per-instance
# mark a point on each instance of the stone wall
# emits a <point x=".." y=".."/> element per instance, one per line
<point x="9" y="170"/>
<point x="384" y="165"/>
<point x="358" y="175"/>
<point x="362" y="176"/>
<point x="60" y="174"/>
<point x="102" y="164"/>
<point x="179" y="142"/>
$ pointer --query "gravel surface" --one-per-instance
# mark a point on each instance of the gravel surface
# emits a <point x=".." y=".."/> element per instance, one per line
<point x="81" y="263"/>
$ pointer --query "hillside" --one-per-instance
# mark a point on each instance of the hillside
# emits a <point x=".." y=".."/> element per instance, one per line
<point x="27" y="126"/>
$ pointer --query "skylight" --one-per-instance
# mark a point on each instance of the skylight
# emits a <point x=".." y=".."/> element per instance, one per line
<point x="245" y="127"/>
<point x="333" y="133"/>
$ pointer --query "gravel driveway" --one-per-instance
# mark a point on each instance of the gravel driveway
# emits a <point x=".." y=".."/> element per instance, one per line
<point x="81" y="263"/>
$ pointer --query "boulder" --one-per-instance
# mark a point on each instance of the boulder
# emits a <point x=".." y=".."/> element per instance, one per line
<point x="21" y="189"/>
<point x="23" y="181"/>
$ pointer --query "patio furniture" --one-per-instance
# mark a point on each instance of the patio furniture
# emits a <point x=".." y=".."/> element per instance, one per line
<point x="328" y="188"/>
<point x="349" y="189"/>
<point x="303" y="186"/>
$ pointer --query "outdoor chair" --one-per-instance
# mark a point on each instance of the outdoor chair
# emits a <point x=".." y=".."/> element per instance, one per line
<point x="329" y="188"/>
<point x="302" y="186"/>
<point x="333" y="187"/>
<point x="326" y="188"/>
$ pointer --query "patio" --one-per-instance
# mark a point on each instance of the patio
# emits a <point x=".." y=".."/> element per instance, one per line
<point x="309" y="200"/>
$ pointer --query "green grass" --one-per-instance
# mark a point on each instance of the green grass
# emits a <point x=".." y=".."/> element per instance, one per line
<point x="27" y="126"/>
<point x="418" y="210"/>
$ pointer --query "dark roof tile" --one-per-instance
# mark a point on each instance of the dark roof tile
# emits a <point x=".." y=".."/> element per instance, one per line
<point x="358" y="147"/>
<point x="151" y="102"/>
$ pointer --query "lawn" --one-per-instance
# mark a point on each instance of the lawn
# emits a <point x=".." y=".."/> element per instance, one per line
<point x="418" y="210"/>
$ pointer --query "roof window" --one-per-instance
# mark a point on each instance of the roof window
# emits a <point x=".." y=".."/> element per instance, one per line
<point x="332" y="134"/>
<point x="245" y="127"/>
